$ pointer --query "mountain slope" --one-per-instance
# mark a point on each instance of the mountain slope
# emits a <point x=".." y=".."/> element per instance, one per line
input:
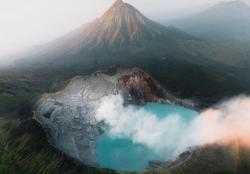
<point x="122" y="24"/>
<point x="123" y="36"/>
<point x="224" y="21"/>
<point x="122" y="27"/>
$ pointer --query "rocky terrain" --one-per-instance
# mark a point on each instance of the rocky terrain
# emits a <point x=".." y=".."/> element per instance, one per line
<point x="217" y="158"/>
<point x="69" y="115"/>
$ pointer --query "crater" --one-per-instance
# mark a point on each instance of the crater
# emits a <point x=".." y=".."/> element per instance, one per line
<point x="123" y="151"/>
<point x="111" y="119"/>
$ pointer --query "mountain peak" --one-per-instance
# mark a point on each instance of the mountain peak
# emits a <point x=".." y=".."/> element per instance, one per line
<point x="122" y="25"/>
<point x="117" y="7"/>
<point x="118" y="3"/>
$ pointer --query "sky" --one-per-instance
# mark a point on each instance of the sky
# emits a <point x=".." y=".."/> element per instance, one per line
<point x="24" y="24"/>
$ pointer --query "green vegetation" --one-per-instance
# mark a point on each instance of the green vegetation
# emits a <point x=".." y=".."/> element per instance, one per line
<point x="7" y="163"/>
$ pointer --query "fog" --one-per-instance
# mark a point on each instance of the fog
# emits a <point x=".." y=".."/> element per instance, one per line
<point x="25" y="24"/>
<point x="228" y="122"/>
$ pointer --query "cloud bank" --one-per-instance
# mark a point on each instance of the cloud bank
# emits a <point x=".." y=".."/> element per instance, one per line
<point x="227" y="122"/>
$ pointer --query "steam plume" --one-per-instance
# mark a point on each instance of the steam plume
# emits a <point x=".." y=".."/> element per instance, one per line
<point x="227" y="122"/>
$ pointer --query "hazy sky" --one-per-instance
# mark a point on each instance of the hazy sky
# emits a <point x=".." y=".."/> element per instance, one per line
<point x="32" y="22"/>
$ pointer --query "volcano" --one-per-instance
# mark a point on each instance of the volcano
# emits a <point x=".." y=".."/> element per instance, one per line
<point x="121" y="27"/>
<point x="125" y="37"/>
<point x="123" y="24"/>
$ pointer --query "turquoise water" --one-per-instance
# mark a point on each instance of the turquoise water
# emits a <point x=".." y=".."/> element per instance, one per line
<point x="123" y="155"/>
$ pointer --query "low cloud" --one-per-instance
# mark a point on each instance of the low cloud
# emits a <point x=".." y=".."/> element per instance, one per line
<point x="227" y="122"/>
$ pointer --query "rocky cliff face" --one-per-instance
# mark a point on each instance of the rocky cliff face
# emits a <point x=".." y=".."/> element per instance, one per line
<point x="69" y="115"/>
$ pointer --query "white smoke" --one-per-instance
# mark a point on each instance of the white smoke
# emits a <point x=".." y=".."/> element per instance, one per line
<point x="172" y="134"/>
